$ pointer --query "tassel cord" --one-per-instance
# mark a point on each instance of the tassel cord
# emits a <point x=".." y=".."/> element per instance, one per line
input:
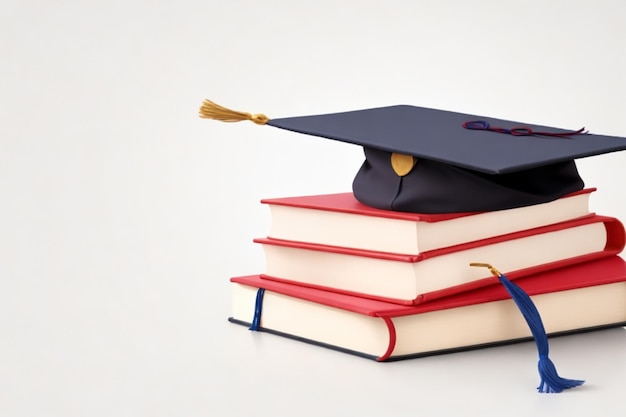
<point x="550" y="382"/>
<point x="520" y="130"/>
<point x="530" y="313"/>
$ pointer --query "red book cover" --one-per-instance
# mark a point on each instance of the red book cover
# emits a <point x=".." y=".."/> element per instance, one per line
<point x="340" y="220"/>
<point x="346" y="203"/>
<point x="615" y="241"/>
<point x="581" y="276"/>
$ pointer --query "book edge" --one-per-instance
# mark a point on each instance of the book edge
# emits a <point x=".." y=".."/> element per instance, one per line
<point x="430" y="353"/>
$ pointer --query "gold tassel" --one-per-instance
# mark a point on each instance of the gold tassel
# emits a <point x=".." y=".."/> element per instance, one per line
<point x="210" y="110"/>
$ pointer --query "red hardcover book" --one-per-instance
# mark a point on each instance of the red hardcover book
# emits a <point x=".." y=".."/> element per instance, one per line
<point x="340" y="220"/>
<point x="414" y="279"/>
<point x="580" y="297"/>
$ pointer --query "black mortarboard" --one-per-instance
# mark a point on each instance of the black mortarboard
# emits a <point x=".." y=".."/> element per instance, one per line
<point x="434" y="161"/>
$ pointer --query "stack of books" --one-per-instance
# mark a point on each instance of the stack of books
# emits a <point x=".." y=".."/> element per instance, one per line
<point x="390" y="285"/>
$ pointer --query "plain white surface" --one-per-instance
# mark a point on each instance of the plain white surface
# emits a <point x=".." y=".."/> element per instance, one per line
<point x="123" y="214"/>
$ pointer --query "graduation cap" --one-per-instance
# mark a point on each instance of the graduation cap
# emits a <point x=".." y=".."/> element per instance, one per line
<point x="433" y="161"/>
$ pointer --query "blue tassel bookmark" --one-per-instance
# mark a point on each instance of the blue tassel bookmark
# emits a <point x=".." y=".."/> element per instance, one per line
<point x="258" y="308"/>
<point x="551" y="382"/>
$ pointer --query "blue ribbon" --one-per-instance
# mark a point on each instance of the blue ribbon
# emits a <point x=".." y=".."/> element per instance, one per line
<point x="258" y="308"/>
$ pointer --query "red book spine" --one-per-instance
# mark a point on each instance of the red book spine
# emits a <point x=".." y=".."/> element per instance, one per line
<point x="392" y="340"/>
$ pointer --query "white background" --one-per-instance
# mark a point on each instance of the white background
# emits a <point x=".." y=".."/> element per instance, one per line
<point x="122" y="214"/>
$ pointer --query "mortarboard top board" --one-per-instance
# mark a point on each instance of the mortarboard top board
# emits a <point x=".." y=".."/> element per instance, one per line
<point x="435" y="161"/>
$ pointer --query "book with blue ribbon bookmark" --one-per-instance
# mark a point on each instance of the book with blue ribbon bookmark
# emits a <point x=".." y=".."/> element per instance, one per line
<point x="578" y="298"/>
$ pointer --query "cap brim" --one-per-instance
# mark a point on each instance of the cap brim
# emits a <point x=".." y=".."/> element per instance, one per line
<point x="440" y="136"/>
